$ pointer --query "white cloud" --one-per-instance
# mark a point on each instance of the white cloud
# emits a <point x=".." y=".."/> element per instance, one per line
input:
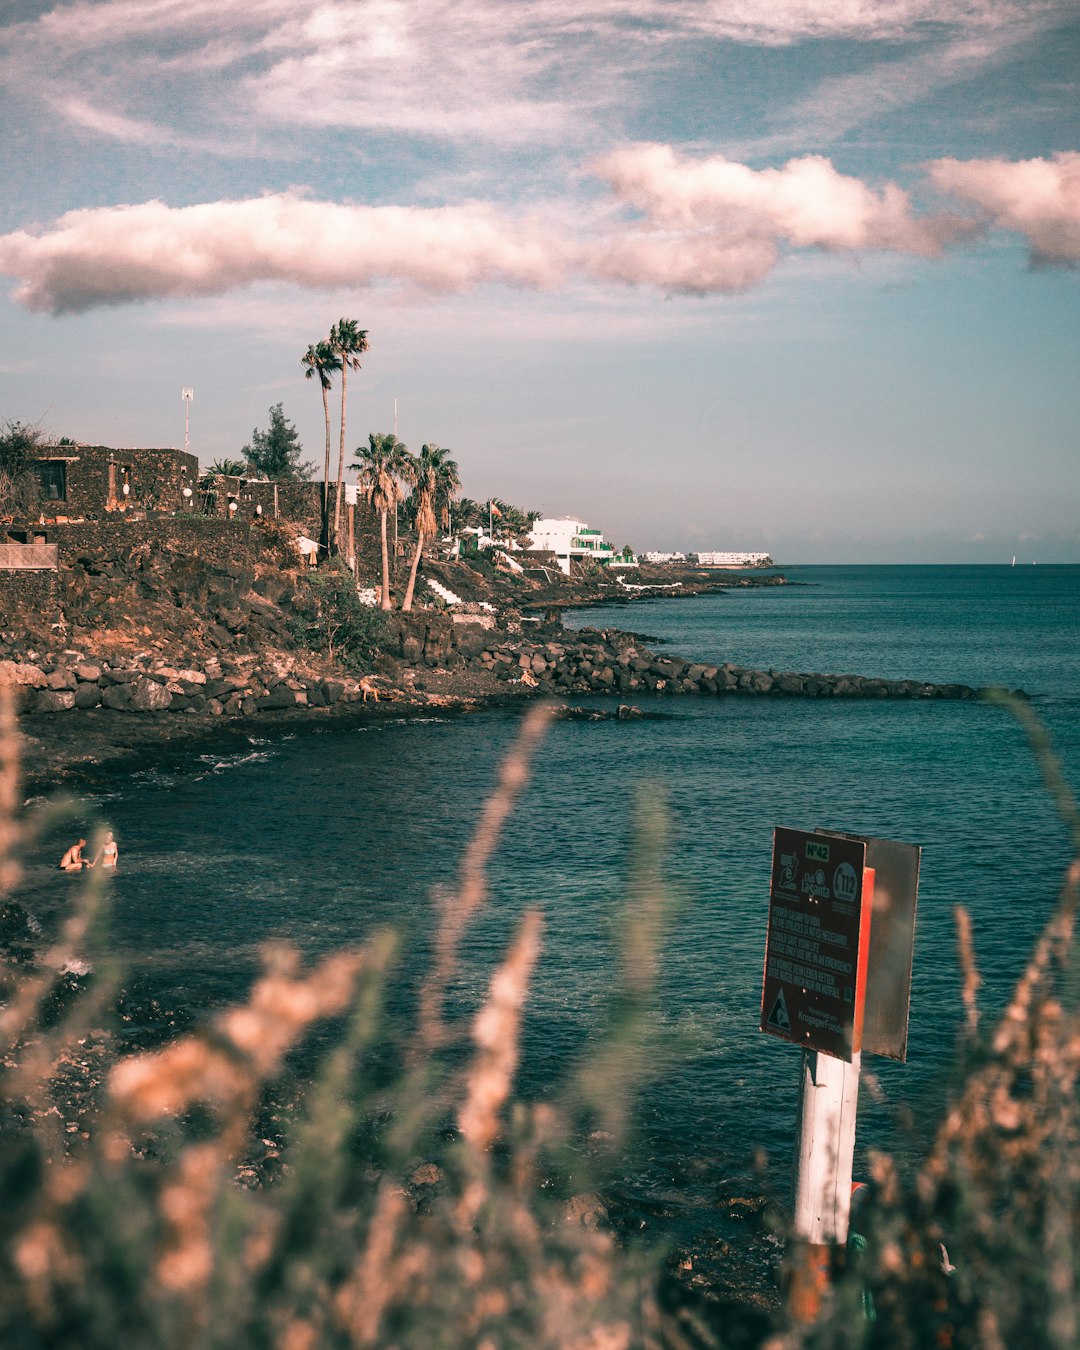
<point x="1038" y="198"/>
<point x="711" y="224"/>
<point x="536" y="71"/>
<point x="703" y="226"/>
<point x="684" y="264"/>
<point x="116" y="255"/>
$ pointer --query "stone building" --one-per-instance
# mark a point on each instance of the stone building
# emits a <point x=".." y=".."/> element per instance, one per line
<point x="243" y="498"/>
<point x="88" y="482"/>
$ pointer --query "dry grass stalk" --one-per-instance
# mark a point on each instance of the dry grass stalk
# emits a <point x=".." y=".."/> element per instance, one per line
<point x="972" y="980"/>
<point x="459" y="907"/>
<point x="495" y="1033"/>
<point x="9" y="789"/>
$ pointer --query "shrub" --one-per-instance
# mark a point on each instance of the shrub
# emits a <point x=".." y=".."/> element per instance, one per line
<point x="279" y="540"/>
<point x="20" y="489"/>
<point x="329" y="618"/>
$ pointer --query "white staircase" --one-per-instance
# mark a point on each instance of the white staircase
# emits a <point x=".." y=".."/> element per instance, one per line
<point x="444" y="592"/>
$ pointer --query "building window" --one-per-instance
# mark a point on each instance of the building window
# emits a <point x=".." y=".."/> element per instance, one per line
<point x="52" y="475"/>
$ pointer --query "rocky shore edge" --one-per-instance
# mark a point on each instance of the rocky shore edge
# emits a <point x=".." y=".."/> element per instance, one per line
<point x="120" y="707"/>
<point x="551" y="662"/>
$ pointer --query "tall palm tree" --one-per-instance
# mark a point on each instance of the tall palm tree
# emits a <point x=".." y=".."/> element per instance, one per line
<point x="321" y="359"/>
<point x="346" y="341"/>
<point x="432" y="470"/>
<point x="447" y="487"/>
<point x="381" y="467"/>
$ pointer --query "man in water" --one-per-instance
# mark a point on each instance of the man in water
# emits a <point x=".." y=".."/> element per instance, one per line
<point x="108" y="853"/>
<point x="73" y="860"/>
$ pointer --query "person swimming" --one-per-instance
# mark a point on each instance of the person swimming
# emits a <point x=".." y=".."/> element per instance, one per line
<point x="73" y="860"/>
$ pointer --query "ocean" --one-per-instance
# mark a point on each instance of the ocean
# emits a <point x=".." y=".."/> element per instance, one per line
<point x="322" y="835"/>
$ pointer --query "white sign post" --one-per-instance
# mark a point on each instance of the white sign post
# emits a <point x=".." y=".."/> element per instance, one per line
<point x="823" y="1166"/>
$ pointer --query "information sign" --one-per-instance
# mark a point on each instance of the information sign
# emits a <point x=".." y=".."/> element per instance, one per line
<point x="818" y="941"/>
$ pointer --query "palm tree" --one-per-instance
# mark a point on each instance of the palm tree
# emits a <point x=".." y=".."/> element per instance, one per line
<point x="381" y="467"/>
<point x="447" y="487"/>
<point x="434" y="473"/>
<point x="321" y="359"/>
<point x="346" y="341"/>
<point x="228" y="468"/>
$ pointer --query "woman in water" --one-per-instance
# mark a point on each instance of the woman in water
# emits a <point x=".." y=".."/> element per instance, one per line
<point x="108" y="853"/>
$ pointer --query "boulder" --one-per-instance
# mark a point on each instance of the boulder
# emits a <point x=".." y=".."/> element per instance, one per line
<point x="118" y="696"/>
<point x="61" y="678"/>
<point x="149" y="696"/>
<point x="23" y="673"/>
<point x="281" y="696"/>
<point x="332" y="691"/>
<point x="88" y="672"/>
<point x="54" y="700"/>
<point x="87" y="695"/>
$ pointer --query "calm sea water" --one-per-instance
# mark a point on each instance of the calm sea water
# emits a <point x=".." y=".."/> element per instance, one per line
<point x="320" y="836"/>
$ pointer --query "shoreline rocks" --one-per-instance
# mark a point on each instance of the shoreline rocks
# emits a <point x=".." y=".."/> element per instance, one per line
<point x="145" y="684"/>
<point x="554" y="662"/>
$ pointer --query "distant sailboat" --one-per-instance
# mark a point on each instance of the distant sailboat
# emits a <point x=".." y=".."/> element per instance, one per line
<point x="1014" y="560"/>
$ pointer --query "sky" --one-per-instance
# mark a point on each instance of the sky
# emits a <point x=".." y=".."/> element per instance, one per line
<point x="787" y="275"/>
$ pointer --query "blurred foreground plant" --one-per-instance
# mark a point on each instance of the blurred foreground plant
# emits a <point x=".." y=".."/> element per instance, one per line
<point x="410" y="1211"/>
<point x="413" y="1208"/>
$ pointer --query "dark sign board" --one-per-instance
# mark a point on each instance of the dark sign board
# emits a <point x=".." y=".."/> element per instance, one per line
<point x="818" y="942"/>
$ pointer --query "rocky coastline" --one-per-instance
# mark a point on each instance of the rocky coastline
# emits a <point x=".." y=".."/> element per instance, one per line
<point x="82" y="712"/>
<point x="157" y="642"/>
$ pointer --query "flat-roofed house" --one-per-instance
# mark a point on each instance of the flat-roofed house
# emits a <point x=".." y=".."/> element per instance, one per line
<point x="90" y="481"/>
<point x="569" y="539"/>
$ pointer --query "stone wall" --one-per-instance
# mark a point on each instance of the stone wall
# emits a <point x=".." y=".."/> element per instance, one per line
<point x="96" y="475"/>
<point x="300" y="502"/>
<point x="199" y="535"/>
<point x="38" y="591"/>
<point x="297" y="501"/>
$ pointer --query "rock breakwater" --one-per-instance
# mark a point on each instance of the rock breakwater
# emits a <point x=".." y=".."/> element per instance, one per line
<point x="610" y="661"/>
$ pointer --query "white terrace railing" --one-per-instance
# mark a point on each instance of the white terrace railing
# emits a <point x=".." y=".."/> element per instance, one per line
<point x="26" y="557"/>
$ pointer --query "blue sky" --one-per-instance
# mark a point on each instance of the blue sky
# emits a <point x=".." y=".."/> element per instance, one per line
<point x="787" y="274"/>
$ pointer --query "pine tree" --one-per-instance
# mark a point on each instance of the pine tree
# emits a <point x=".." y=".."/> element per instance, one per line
<point x="276" y="452"/>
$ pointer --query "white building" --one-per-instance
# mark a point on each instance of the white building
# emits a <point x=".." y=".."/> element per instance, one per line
<point x="567" y="537"/>
<point x="654" y="557"/>
<point x="732" y="559"/>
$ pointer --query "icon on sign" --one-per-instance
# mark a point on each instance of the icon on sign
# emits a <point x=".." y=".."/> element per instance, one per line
<point x="778" y="1017"/>
<point x="845" y="882"/>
